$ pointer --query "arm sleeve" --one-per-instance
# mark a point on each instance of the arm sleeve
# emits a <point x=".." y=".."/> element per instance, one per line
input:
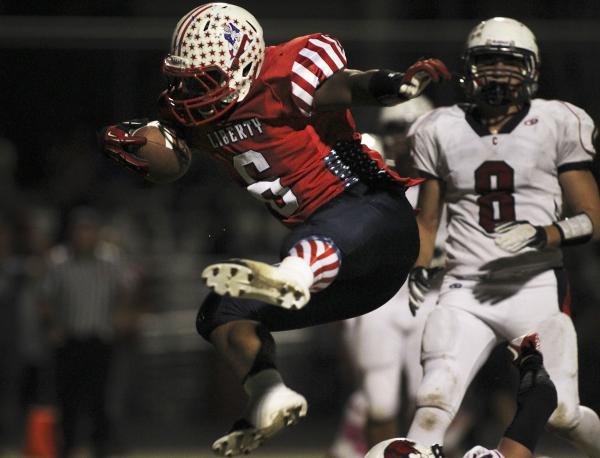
<point x="319" y="58"/>
<point x="575" y="142"/>
<point x="424" y="150"/>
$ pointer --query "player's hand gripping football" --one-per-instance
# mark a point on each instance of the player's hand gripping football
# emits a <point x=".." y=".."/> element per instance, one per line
<point x="419" y="282"/>
<point x="418" y="76"/>
<point x="516" y="235"/>
<point x="120" y="145"/>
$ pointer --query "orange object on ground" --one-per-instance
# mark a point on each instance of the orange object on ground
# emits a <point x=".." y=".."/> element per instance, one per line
<point x="40" y="436"/>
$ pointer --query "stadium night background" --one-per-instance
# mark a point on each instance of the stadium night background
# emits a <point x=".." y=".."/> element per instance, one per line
<point x="68" y="68"/>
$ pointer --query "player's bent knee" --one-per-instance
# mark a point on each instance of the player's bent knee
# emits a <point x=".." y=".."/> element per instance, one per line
<point x="440" y="387"/>
<point x="205" y="323"/>
<point x="564" y="418"/>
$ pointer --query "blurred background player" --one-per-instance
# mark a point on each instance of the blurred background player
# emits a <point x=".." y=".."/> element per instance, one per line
<point x="503" y="164"/>
<point x="384" y="346"/>
<point x="536" y="399"/>
<point x="279" y="121"/>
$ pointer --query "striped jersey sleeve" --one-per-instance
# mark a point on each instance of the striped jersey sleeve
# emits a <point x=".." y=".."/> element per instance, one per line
<point x="320" y="57"/>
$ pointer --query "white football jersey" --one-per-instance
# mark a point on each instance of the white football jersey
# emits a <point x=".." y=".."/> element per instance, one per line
<point x="494" y="178"/>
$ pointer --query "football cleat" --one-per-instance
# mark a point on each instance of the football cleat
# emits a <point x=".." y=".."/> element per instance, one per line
<point x="248" y="279"/>
<point x="278" y="408"/>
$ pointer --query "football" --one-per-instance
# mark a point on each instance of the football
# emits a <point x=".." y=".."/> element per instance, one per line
<point x="168" y="157"/>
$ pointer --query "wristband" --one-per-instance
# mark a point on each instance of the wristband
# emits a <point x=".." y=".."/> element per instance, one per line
<point x="575" y="230"/>
<point x="384" y="86"/>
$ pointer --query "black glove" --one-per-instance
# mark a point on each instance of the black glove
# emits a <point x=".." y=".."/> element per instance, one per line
<point x="419" y="282"/>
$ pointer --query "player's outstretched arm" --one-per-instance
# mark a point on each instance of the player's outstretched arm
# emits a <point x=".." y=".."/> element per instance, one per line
<point x="349" y="88"/>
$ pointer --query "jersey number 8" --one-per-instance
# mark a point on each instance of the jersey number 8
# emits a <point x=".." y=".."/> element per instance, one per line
<point x="495" y="183"/>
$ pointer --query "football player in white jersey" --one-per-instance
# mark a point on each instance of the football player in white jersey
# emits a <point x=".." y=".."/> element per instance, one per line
<point x="536" y="399"/>
<point x="371" y="412"/>
<point x="502" y="164"/>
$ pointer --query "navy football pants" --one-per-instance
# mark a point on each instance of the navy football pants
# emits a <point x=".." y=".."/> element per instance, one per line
<point x="377" y="235"/>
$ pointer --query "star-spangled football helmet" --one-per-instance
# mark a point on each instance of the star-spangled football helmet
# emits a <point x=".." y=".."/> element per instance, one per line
<point x="217" y="51"/>
<point x="402" y="447"/>
<point x="510" y="42"/>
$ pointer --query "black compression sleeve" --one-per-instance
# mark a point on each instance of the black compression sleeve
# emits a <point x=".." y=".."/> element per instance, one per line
<point x="536" y="401"/>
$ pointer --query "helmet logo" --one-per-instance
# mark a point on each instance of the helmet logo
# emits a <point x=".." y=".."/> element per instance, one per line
<point x="237" y="43"/>
<point x="497" y="42"/>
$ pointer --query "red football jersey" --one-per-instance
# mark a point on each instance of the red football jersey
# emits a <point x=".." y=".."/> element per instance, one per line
<point x="274" y="145"/>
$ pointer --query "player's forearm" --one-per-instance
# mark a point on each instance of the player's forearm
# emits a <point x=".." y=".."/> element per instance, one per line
<point x="513" y="449"/>
<point x="345" y="89"/>
<point x="427" y="234"/>
<point x="552" y="236"/>
<point x="580" y="228"/>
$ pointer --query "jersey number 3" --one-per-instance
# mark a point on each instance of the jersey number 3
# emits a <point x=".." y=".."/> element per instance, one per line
<point x="495" y="183"/>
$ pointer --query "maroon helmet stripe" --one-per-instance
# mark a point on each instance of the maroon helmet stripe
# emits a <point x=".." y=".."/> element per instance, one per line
<point x="186" y="22"/>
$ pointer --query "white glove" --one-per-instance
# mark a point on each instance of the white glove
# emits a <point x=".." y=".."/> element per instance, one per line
<point x="419" y="282"/>
<point x="516" y="235"/>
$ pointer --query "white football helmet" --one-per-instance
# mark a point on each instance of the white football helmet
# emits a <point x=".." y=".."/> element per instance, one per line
<point x="501" y="40"/>
<point x="217" y="51"/>
<point x="401" y="447"/>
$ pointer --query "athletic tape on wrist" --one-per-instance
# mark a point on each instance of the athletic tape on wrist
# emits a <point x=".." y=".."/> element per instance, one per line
<point x="575" y="230"/>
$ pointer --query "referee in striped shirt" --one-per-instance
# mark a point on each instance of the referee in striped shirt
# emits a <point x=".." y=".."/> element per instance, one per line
<point x="84" y="294"/>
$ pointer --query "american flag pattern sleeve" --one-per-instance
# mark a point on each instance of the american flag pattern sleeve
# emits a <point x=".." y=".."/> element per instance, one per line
<point x="320" y="58"/>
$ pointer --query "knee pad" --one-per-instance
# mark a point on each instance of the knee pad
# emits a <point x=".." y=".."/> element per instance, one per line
<point x="444" y="381"/>
<point x="441" y="387"/>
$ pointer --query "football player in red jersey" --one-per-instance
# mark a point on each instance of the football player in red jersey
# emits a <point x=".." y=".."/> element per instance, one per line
<point x="278" y="119"/>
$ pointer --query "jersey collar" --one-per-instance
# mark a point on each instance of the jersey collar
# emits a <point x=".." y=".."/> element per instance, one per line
<point x="483" y="131"/>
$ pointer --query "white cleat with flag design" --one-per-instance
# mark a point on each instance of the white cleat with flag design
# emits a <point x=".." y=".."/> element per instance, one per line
<point x="249" y="279"/>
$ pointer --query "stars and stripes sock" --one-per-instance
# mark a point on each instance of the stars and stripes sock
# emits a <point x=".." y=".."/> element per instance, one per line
<point x="322" y="258"/>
